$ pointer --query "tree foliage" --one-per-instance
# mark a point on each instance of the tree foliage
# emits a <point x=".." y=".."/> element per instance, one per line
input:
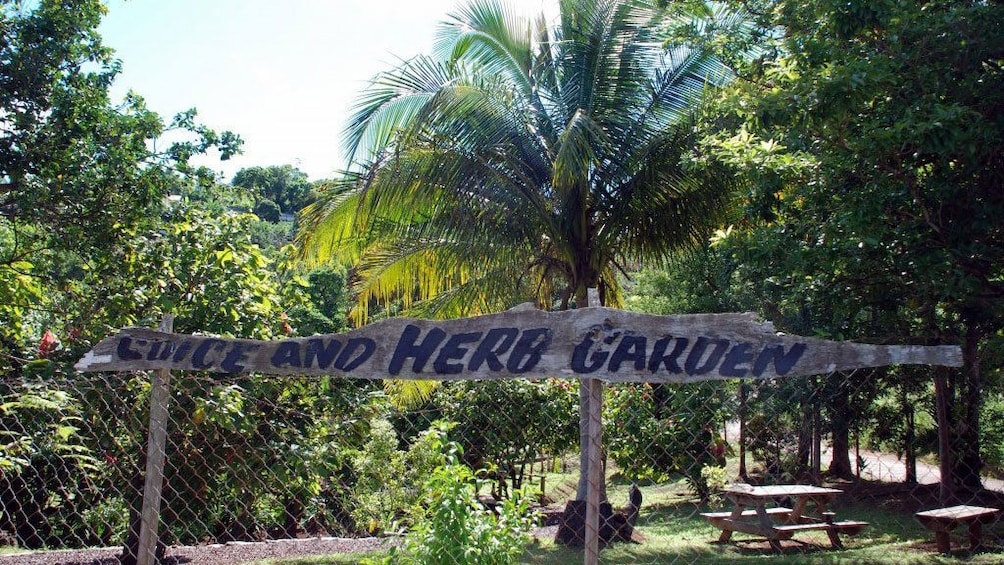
<point x="873" y="132"/>
<point x="284" y="185"/>
<point x="521" y="161"/>
<point x="78" y="173"/>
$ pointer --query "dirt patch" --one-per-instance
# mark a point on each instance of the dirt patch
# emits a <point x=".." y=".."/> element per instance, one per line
<point x="211" y="554"/>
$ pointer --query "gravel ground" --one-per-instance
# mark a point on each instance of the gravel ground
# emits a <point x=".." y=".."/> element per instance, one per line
<point x="213" y="554"/>
<point x="233" y="553"/>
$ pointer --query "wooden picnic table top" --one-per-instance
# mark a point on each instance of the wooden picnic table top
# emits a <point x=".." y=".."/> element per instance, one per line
<point x="779" y="491"/>
<point x="961" y="512"/>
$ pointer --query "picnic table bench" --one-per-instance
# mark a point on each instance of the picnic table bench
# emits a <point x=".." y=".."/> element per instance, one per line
<point x="943" y="520"/>
<point x="750" y="513"/>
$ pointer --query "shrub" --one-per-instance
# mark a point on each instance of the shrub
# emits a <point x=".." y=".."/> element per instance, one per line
<point x="268" y="211"/>
<point x="454" y="528"/>
<point x="654" y="431"/>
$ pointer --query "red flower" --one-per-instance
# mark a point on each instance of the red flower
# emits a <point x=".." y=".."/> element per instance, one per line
<point x="47" y="345"/>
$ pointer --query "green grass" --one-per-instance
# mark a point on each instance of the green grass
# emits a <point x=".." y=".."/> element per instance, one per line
<point x="675" y="533"/>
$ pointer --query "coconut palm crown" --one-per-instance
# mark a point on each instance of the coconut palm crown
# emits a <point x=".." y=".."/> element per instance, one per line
<point x="521" y="161"/>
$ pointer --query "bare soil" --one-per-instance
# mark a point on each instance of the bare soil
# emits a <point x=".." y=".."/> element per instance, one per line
<point x="211" y="554"/>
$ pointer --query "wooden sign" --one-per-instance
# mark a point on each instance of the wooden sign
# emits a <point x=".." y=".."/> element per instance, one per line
<point x="613" y="345"/>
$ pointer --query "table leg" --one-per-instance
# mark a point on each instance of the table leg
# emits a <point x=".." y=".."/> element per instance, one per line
<point x="797" y="511"/>
<point x="772" y="537"/>
<point x="737" y="514"/>
<point x="976" y="535"/>
<point x="832" y="532"/>
<point x="943" y="539"/>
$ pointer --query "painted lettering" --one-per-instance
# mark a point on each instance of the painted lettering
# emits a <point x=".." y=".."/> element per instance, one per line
<point x="346" y="361"/>
<point x="693" y="365"/>
<point x="740" y="354"/>
<point x="631" y="348"/>
<point x="323" y="354"/>
<point x="783" y="362"/>
<point x="286" y="355"/>
<point x="496" y="342"/>
<point x="182" y="351"/>
<point x="199" y="357"/>
<point x="528" y="350"/>
<point x="168" y="350"/>
<point x="238" y="353"/>
<point x="154" y="349"/>
<point x="596" y="360"/>
<point x="451" y="351"/>
<point x="407" y="347"/>
<point x="671" y="361"/>
<point x="125" y="351"/>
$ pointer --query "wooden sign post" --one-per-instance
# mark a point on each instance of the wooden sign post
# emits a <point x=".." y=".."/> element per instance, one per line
<point x="156" y="451"/>
<point x="590" y="343"/>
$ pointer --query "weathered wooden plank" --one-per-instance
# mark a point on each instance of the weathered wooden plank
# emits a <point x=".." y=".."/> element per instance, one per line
<point x="746" y="513"/>
<point x="596" y="342"/>
<point x="156" y="452"/>
<point x="748" y="527"/>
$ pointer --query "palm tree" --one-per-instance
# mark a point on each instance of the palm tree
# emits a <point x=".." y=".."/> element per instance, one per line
<point x="522" y="161"/>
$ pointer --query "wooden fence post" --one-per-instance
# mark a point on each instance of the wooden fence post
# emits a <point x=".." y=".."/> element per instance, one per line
<point x="595" y="457"/>
<point x="596" y="475"/>
<point x="156" y="450"/>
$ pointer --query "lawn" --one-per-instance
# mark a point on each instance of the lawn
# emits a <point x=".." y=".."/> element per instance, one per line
<point x="675" y="533"/>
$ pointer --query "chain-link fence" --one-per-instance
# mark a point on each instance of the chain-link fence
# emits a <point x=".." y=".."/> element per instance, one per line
<point x="358" y="463"/>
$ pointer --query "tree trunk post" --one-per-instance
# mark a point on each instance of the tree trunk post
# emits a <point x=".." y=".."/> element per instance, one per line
<point x="909" y="441"/>
<point x="155" y="455"/>
<point x="593" y="445"/>
<point x="817" y="437"/>
<point x="595" y="472"/>
<point x="582" y="488"/>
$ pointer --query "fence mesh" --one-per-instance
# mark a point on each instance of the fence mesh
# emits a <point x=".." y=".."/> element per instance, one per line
<point x="260" y="459"/>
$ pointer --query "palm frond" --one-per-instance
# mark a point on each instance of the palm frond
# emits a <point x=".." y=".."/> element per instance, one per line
<point x="391" y="103"/>
<point x="490" y="34"/>
<point x="522" y="161"/>
<point x="327" y="226"/>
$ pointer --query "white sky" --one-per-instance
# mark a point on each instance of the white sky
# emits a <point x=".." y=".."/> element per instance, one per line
<point x="282" y="74"/>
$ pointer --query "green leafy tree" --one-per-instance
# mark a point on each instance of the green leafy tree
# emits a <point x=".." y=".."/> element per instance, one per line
<point x="268" y="211"/>
<point x="522" y="162"/>
<point x="284" y="185"/>
<point x="78" y="173"/>
<point x="327" y="304"/>
<point x="503" y="426"/>
<point x="652" y="432"/>
<point x="873" y="131"/>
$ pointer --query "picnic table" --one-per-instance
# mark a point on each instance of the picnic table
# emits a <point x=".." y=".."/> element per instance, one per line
<point x="943" y="520"/>
<point x="756" y="511"/>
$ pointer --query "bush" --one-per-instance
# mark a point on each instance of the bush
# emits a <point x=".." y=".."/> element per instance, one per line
<point x="270" y="235"/>
<point x="652" y="431"/>
<point x="454" y="528"/>
<point x="381" y="493"/>
<point x="268" y="211"/>
<point x="504" y="425"/>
